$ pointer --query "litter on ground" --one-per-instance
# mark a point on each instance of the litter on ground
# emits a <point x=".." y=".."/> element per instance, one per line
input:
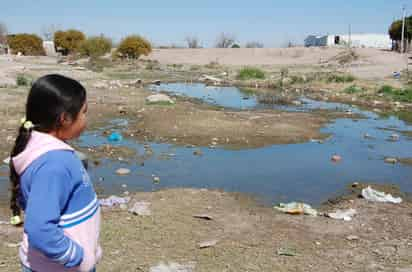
<point x="376" y="196"/>
<point x="296" y="208"/>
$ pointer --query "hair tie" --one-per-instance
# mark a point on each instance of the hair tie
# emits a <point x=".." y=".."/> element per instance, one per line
<point x="26" y="124"/>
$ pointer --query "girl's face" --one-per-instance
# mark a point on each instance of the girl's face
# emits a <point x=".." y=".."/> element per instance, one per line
<point x="72" y="128"/>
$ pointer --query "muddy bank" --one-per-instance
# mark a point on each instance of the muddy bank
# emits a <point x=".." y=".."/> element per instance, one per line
<point x="245" y="236"/>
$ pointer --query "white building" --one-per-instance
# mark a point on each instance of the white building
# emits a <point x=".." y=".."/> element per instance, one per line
<point x="355" y="40"/>
<point x="49" y="48"/>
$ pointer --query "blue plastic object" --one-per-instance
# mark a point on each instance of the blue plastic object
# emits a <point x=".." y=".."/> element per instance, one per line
<point x="115" y="137"/>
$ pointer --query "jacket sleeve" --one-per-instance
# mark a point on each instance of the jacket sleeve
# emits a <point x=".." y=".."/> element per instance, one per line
<point x="50" y="190"/>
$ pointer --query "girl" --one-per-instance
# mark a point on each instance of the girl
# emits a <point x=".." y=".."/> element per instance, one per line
<point x="62" y="215"/>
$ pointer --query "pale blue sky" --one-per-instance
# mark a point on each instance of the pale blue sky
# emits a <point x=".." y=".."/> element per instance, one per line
<point x="165" y="22"/>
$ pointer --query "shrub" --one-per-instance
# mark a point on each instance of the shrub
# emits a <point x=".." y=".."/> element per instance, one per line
<point x="403" y="95"/>
<point x="353" y="89"/>
<point x="250" y="73"/>
<point x="339" y="78"/>
<point x="27" y="44"/>
<point x="235" y="46"/>
<point x="69" y="41"/>
<point x="134" y="46"/>
<point x="96" y="46"/>
<point x="22" y="80"/>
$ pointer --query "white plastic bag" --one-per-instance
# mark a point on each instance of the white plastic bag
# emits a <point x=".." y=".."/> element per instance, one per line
<point x="376" y="196"/>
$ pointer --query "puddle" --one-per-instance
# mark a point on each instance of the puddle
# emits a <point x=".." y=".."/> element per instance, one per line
<point x="278" y="173"/>
<point x="244" y="99"/>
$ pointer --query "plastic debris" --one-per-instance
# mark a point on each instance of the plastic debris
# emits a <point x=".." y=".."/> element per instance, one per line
<point x="396" y="75"/>
<point x="114" y="200"/>
<point x="6" y="161"/>
<point x="173" y="267"/>
<point x="115" y="137"/>
<point x="376" y="196"/>
<point x="141" y="208"/>
<point x="207" y="244"/>
<point x="345" y="215"/>
<point x="286" y="252"/>
<point x="296" y="208"/>
<point x="203" y="216"/>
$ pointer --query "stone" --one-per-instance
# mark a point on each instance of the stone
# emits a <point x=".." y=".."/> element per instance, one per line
<point x="159" y="98"/>
<point x="207" y="244"/>
<point x="336" y="158"/>
<point x="141" y="208"/>
<point x="123" y="171"/>
<point x="352" y="238"/>
<point x="391" y="160"/>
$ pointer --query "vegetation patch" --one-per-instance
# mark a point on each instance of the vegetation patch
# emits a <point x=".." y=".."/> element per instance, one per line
<point x="22" y="80"/>
<point x="403" y="95"/>
<point x="250" y="73"/>
<point x="354" y="89"/>
<point x="339" y="78"/>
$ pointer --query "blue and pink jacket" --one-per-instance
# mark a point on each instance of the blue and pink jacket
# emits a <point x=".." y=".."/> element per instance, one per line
<point x="62" y="213"/>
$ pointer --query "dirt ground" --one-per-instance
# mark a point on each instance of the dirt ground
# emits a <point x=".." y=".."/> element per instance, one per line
<point x="250" y="237"/>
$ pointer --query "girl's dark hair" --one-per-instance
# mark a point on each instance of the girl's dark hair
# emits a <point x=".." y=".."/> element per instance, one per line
<point x="49" y="97"/>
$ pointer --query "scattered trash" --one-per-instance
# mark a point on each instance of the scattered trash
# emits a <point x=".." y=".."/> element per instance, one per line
<point x="203" y="216"/>
<point x="367" y="136"/>
<point x="12" y="245"/>
<point x="198" y="152"/>
<point x="159" y="98"/>
<point x="6" y="161"/>
<point x="352" y="238"/>
<point x="173" y="267"/>
<point x="396" y="75"/>
<point x="141" y="208"/>
<point x="391" y="160"/>
<point x="123" y="171"/>
<point x="206" y="78"/>
<point x="394" y="138"/>
<point x="376" y="196"/>
<point x="156" y="82"/>
<point x="115" y="137"/>
<point x="4" y="223"/>
<point x="345" y="215"/>
<point x="207" y="244"/>
<point x="113" y="201"/>
<point x="296" y="208"/>
<point x="156" y="179"/>
<point x="336" y="158"/>
<point x="286" y="252"/>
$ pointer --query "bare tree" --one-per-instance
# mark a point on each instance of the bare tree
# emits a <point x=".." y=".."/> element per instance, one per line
<point x="48" y="32"/>
<point x="3" y="33"/>
<point x="192" y="42"/>
<point x="225" y="40"/>
<point x="254" y="44"/>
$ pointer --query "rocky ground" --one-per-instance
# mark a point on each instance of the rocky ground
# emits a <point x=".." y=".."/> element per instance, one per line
<point x="244" y="235"/>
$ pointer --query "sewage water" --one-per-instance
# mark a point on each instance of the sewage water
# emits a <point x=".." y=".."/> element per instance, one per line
<point x="277" y="173"/>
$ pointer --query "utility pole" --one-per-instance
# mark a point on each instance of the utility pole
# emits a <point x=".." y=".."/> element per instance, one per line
<point x="403" y="29"/>
<point x="349" y="37"/>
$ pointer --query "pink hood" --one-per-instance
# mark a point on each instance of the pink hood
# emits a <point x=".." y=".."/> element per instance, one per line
<point x="39" y="144"/>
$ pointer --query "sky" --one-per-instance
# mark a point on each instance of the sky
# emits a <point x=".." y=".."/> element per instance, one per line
<point x="271" y="22"/>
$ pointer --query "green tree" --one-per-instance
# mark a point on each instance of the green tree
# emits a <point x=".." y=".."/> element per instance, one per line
<point x="68" y="41"/>
<point x="96" y="46"/>
<point x="27" y="44"/>
<point x="133" y="47"/>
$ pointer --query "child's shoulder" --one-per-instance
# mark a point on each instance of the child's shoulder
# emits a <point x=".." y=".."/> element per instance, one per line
<point x="57" y="160"/>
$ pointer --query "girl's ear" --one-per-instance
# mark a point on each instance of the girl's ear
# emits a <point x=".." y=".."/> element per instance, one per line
<point x="65" y="120"/>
